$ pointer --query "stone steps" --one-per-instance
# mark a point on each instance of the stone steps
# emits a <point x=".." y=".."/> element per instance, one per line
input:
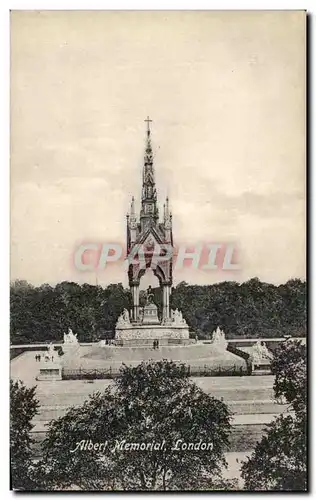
<point x="198" y="356"/>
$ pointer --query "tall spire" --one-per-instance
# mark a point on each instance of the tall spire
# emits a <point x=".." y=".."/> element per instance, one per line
<point x="167" y="213"/>
<point x="133" y="207"/>
<point x="149" y="210"/>
<point x="148" y="121"/>
<point x="148" y="158"/>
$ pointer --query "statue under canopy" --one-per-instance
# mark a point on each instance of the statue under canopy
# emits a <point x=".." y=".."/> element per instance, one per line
<point x="149" y="296"/>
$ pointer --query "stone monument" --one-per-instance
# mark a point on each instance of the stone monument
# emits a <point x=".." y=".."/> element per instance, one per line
<point x="50" y="367"/>
<point x="70" y="337"/>
<point x="172" y="330"/>
<point x="218" y="339"/>
<point x="150" y="246"/>
<point x="148" y="233"/>
<point x="71" y="344"/>
<point x="260" y="357"/>
<point x="260" y="352"/>
<point x="149" y="314"/>
<point x="49" y="354"/>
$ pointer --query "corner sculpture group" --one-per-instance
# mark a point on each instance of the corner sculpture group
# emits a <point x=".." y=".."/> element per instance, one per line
<point x="176" y="319"/>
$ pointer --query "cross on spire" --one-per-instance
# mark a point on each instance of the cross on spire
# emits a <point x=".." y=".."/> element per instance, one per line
<point x="148" y="120"/>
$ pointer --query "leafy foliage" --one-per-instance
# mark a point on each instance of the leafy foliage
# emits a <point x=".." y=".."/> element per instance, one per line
<point x="44" y="313"/>
<point x="289" y="368"/>
<point x="150" y="403"/>
<point x="23" y="407"/>
<point x="250" y="309"/>
<point x="279" y="459"/>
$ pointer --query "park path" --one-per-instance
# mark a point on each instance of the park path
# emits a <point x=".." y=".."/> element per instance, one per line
<point x="25" y="368"/>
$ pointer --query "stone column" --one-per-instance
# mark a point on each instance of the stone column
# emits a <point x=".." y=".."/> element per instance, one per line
<point x="163" y="289"/>
<point x="165" y="302"/>
<point x="136" y="310"/>
<point x="135" y="297"/>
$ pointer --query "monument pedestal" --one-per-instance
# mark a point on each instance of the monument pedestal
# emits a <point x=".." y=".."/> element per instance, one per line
<point x="49" y="370"/>
<point x="170" y="331"/>
<point x="262" y="367"/>
<point x="261" y="358"/>
<point x="135" y="335"/>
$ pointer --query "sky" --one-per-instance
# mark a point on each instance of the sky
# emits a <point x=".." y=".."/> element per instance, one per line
<point x="226" y="93"/>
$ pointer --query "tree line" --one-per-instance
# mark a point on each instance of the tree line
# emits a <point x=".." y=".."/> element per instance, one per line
<point x="249" y="309"/>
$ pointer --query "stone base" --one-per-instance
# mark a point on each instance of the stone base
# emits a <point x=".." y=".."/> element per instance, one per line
<point x="49" y="371"/>
<point x="202" y="359"/>
<point x="262" y="367"/>
<point x="146" y="334"/>
<point x="149" y="342"/>
<point x="70" y="347"/>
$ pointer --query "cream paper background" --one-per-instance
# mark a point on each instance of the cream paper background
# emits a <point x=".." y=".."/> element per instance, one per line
<point x="226" y="91"/>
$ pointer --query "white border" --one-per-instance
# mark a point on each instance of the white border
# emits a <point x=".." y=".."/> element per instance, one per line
<point x="5" y="6"/>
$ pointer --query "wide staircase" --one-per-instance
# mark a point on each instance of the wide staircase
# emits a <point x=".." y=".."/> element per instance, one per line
<point x="198" y="356"/>
<point x="177" y="353"/>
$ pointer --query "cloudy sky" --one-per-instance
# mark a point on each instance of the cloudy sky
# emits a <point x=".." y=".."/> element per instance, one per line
<point x="226" y="93"/>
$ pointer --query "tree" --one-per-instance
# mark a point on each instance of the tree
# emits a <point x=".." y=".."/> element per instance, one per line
<point x="23" y="407"/>
<point x="279" y="459"/>
<point x="289" y="368"/>
<point x="252" y="308"/>
<point x="155" y="405"/>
